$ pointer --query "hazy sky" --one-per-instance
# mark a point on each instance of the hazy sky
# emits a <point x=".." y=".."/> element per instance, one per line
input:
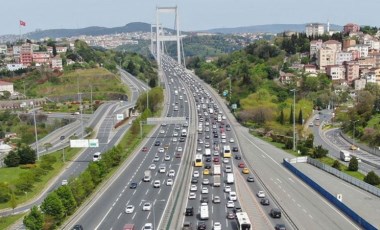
<point x="193" y="14"/>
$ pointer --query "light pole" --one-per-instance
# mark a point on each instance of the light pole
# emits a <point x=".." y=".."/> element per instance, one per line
<point x="353" y="137"/>
<point x="35" y="129"/>
<point x="229" y="76"/>
<point x="294" y="118"/>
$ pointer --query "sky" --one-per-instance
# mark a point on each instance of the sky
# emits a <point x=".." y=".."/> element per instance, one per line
<point x="193" y="14"/>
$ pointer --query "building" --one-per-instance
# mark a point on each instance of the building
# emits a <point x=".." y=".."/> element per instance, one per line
<point x="15" y="66"/>
<point x="325" y="57"/>
<point x="310" y="69"/>
<point x="332" y="44"/>
<point x="315" y="29"/>
<point x="315" y="45"/>
<point x="26" y="54"/>
<point x="352" y="71"/>
<point x="41" y="57"/>
<point x="342" y="57"/>
<point x="370" y="77"/>
<point x="3" y="49"/>
<point x="6" y="86"/>
<point x="56" y="63"/>
<point x="351" y="28"/>
<point x="347" y="43"/>
<point x="336" y="72"/>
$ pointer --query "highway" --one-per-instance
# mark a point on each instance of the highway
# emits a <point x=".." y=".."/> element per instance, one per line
<point x="107" y="211"/>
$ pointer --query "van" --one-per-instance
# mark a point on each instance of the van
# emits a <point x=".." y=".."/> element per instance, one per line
<point x="147" y="176"/>
<point x="96" y="156"/>
<point x="230" y="178"/>
<point x="275" y="213"/>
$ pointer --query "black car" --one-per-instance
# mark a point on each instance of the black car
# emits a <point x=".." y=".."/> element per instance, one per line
<point x="235" y="149"/>
<point x="280" y="227"/>
<point x="207" y="166"/>
<point x="194" y="180"/>
<point x="237" y="157"/>
<point x="133" y="185"/>
<point x="181" y="139"/>
<point x="77" y="227"/>
<point x="275" y="213"/>
<point x="189" y="211"/>
<point x="237" y="209"/>
<point x="204" y="199"/>
<point x="208" y="159"/>
<point x="157" y="143"/>
<point x="202" y="225"/>
<point x="264" y="201"/>
<point x="250" y="179"/>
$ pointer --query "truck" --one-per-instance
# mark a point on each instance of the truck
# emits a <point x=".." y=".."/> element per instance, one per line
<point x="183" y="133"/>
<point x="207" y="152"/>
<point x="216" y="181"/>
<point x="210" y="110"/>
<point x="345" y="155"/>
<point x="175" y="92"/>
<point x="230" y="178"/>
<point x="147" y="176"/>
<point x="216" y="170"/>
<point x="204" y="211"/>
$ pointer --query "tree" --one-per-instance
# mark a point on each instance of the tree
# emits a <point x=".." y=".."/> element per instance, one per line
<point x="4" y="193"/>
<point x="27" y="155"/>
<point x="291" y="115"/>
<point x="54" y="50"/>
<point x="12" y="159"/>
<point x="300" y="118"/>
<point x="337" y="165"/>
<point x="67" y="199"/>
<point x="34" y="220"/>
<point x="372" y="178"/>
<point x="13" y="201"/>
<point x="354" y="164"/>
<point x="319" y="152"/>
<point x="281" y="119"/>
<point x="53" y="206"/>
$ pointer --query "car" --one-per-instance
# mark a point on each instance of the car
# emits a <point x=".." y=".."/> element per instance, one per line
<point x="152" y="167"/>
<point x="144" y="149"/>
<point x="163" y="124"/>
<point x="230" y="204"/>
<point x="156" y="184"/>
<point x="237" y="157"/>
<point x="264" y="201"/>
<point x="261" y="194"/>
<point x="178" y="155"/>
<point x="199" y="148"/>
<point x="147" y="206"/>
<point x="77" y="227"/>
<point x="207" y="166"/>
<point x="280" y="227"/>
<point x="133" y="185"/>
<point x="166" y="146"/>
<point x="204" y="199"/>
<point x="208" y="159"/>
<point x="237" y="209"/>
<point x="174" y="139"/>
<point x="171" y="173"/>
<point x="353" y="147"/>
<point x="204" y="190"/>
<point x="228" y="168"/>
<point x="194" y="180"/>
<point x="179" y="149"/>
<point x="192" y="196"/>
<point x="275" y="213"/>
<point x="148" y="226"/>
<point x="196" y="174"/>
<point x="217" y="226"/>
<point x="241" y="165"/>
<point x="250" y="179"/>
<point x="207" y="137"/>
<point x="216" y="199"/>
<point x="225" y="160"/>
<point x="181" y="139"/>
<point x="156" y="158"/>
<point x="161" y="150"/>
<point x="232" y="196"/>
<point x="232" y="140"/>
<point x="162" y="168"/>
<point x="216" y="159"/>
<point x="207" y="144"/>
<point x="169" y="182"/>
<point x="235" y="149"/>
<point x="202" y="225"/>
<point x="245" y="171"/>
<point x="162" y="131"/>
<point x="223" y="140"/>
<point x="167" y="158"/>
<point x="193" y="188"/>
<point x="175" y="134"/>
<point x="64" y="182"/>
<point x="129" y="209"/>
<point x="189" y="211"/>
<point x="157" y="143"/>
<point x="227" y="188"/>
<point x="230" y="215"/>
<point x="206" y="181"/>
<point x="206" y="172"/>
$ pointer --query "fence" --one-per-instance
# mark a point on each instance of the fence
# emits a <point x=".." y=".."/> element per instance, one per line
<point x="352" y="180"/>
<point x="354" y="216"/>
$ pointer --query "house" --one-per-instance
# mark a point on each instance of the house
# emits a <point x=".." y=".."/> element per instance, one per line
<point x="332" y="44"/>
<point x="6" y="86"/>
<point x="352" y="71"/>
<point x="336" y="72"/>
<point x="370" y="77"/>
<point x="41" y="57"/>
<point x="3" y="49"/>
<point x="347" y="43"/>
<point x="351" y="28"/>
<point x="56" y="63"/>
<point x="311" y="69"/>
<point x="315" y="45"/>
<point x="342" y="56"/>
<point x="15" y="66"/>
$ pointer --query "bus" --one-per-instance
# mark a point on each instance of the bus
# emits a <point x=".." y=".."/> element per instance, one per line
<point x="198" y="160"/>
<point x="227" y="151"/>
<point x="243" y="222"/>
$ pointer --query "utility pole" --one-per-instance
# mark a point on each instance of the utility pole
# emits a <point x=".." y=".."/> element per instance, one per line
<point x="353" y="137"/>
<point x="35" y="130"/>
<point x="294" y="119"/>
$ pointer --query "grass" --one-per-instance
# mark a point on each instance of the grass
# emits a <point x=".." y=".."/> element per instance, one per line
<point x="7" y="221"/>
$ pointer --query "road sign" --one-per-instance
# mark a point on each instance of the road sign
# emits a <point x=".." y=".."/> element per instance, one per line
<point x="234" y="106"/>
<point x="93" y="143"/>
<point x="120" y="117"/>
<point x="79" y="143"/>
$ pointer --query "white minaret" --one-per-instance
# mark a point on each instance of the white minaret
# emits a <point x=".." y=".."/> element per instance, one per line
<point x="328" y="26"/>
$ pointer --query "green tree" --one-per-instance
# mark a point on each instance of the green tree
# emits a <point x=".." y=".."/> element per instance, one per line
<point x="78" y="191"/>
<point x="291" y="115"/>
<point x="372" y="178"/>
<point x="4" y="193"/>
<point x="281" y="119"/>
<point x="27" y="154"/>
<point x="13" y="201"/>
<point x="337" y="165"/>
<point x="300" y="117"/>
<point x="67" y="198"/>
<point x="12" y="159"/>
<point x="354" y="164"/>
<point x="52" y="205"/>
<point x="319" y="152"/>
<point x="34" y="220"/>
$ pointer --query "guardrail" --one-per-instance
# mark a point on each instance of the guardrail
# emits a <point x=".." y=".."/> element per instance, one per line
<point x="349" y="212"/>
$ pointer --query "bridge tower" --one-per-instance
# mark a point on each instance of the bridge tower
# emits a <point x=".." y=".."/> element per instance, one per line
<point x="160" y="35"/>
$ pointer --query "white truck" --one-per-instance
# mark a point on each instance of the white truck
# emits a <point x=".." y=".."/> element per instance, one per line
<point x="216" y="182"/>
<point x="204" y="211"/>
<point x="345" y="155"/>
<point x="230" y="178"/>
<point x="217" y="170"/>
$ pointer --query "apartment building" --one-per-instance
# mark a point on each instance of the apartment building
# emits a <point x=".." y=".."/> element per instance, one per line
<point x="56" y="63"/>
<point x="332" y="44"/>
<point x="3" y="49"/>
<point x="26" y="54"/>
<point x="351" y="28"/>
<point x="314" y="29"/>
<point x="359" y="84"/>
<point x="41" y="58"/>
<point x="352" y="71"/>
<point x="342" y="57"/>
<point x="310" y="69"/>
<point x="6" y="86"/>
<point x="315" y="45"/>
<point x="325" y="56"/>
<point x="336" y="72"/>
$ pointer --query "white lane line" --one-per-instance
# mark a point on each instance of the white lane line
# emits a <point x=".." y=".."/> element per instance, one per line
<point x="103" y="218"/>
<point x="147" y="217"/>
<point x="133" y="217"/>
<point x="291" y="180"/>
<point x="304" y="210"/>
<point x="119" y="216"/>
<point x="311" y="216"/>
<point x="298" y="205"/>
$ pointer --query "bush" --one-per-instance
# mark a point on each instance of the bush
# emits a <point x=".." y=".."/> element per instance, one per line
<point x="372" y="178"/>
<point x="319" y="152"/>
<point x="337" y="165"/>
<point x="353" y="165"/>
<point x="28" y="166"/>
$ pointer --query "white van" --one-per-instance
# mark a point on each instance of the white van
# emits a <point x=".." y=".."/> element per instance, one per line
<point x="230" y="178"/>
<point x="96" y="156"/>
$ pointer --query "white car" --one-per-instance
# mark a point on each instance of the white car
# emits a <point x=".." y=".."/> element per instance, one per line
<point x="156" y="184"/>
<point x="223" y="140"/>
<point x="225" y="160"/>
<point x="232" y="196"/>
<point x="64" y="182"/>
<point x="156" y="158"/>
<point x="232" y="140"/>
<point x="230" y="204"/>
<point x="175" y="134"/>
<point x="205" y="181"/>
<point x="171" y="173"/>
<point x="129" y="209"/>
<point x="179" y="149"/>
<point x="207" y="145"/>
<point x="147" y="206"/>
<point x="162" y="169"/>
<point x="161" y="150"/>
<point x="204" y="190"/>
<point x="148" y="226"/>
<point x="167" y="158"/>
<point x="152" y="167"/>
<point x="162" y="131"/>
<point x="216" y="199"/>
<point x="228" y="168"/>
<point x="217" y="226"/>
<point x="224" y="117"/>
<point x="261" y="194"/>
<point x="169" y="182"/>
<point x="175" y="139"/>
<point x="200" y="141"/>
<point x="193" y="188"/>
<point x="196" y="174"/>
<point x="192" y="196"/>
<point x="227" y="188"/>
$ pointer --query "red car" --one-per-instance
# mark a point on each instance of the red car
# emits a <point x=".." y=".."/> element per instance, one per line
<point x="178" y="155"/>
<point x="145" y="149"/>
<point x="241" y="165"/>
<point x="216" y="159"/>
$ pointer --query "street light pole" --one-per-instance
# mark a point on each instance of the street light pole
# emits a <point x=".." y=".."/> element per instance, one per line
<point x="230" y="88"/>
<point x="35" y="130"/>
<point x="353" y="137"/>
<point x="294" y="119"/>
